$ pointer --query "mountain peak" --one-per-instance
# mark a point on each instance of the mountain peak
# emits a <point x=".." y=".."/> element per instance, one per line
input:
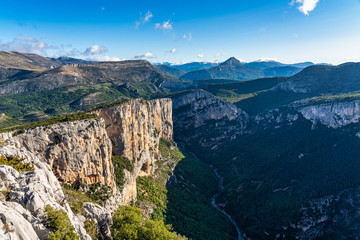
<point x="232" y="61"/>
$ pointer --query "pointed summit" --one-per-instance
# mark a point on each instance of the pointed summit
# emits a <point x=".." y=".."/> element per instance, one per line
<point x="232" y="61"/>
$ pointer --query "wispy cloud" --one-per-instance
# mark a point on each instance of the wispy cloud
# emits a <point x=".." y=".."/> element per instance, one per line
<point x="187" y="36"/>
<point x="164" y="26"/>
<point x="145" y="55"/>
<point x="172" y="50"/>
<point x="147" y="17"/>
<point x="143" y="19"/>
<point x="27" y="45"/>
<point x="95" y="50"/>
<point x="200" y="55"/>
<point x="105" y="59"/>
<point x="305" y="6"/>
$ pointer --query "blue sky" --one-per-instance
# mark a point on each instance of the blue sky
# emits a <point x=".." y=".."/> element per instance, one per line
<point x="183" y="31"/>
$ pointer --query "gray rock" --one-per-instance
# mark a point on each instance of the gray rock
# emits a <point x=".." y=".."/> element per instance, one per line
<point x="14" y="226"/>
<point x="101" y="216"/>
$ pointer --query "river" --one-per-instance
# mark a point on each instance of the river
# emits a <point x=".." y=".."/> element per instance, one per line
<point x="213" y="199"/>
<point x="213" y="202"/>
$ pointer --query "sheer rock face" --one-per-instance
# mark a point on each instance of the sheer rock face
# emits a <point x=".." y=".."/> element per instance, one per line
<point x="333" y="114"/>
<point x="135" y="128"/>
<point x="79" y="150"/>
<point x="82" y="150"/>
<point x="207" y="120"/>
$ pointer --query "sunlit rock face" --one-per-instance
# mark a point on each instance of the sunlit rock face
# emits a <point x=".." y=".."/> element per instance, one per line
<point x="333" y="114"/>
<point x="135" y="128"/>
<point x="79" y="150"/>
<point x="82" y="150"/>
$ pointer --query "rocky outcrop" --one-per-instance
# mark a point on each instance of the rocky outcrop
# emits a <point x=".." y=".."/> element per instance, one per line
<point x="22" y="215"/>
<point x="101" y="216"/>
<point x="333" y="114"/>
<point x="79" y="150"/>
<point x="13" y="225"/>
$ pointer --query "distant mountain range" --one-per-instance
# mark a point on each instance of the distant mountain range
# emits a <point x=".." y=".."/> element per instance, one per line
<point x="232" y="69"/>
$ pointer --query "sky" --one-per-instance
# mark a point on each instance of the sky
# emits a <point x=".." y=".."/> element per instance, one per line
<point x="289" y="31"/>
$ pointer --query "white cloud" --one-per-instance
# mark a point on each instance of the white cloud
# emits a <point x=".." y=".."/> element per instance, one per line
<point x="220" y="54"/>
<point x="164" y="26"/>
<point x="27" y="45"/>
<point x="200" y="55"/>
<point x="172" y="50"/>
<point x="143" y="19"/>
<point x="187" y="36"/>
<point x="94" y="50"/>
<point x="145" y="55"/>
<point x="267" y="60"/>
<point x="305" y="6"/>
<point x="105" y="59"/>
<point x="147" y="17"/>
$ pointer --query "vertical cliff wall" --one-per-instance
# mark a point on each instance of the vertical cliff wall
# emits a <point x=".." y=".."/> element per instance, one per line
<point x="82" y="150"/>
<point x="135" y="128"/>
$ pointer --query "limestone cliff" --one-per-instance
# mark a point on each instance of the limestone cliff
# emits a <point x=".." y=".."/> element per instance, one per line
<point x="333" y="114"/>
<point x="82" y="150"/>
<point x="79" y="150"/>
<point x="135" y="128"/>
<point x="203" y="119"/>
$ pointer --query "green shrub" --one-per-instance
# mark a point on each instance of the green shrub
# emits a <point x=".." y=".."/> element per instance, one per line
<point x="120" y="163"/>
<point x="79" y="193"/>
<point x="156" y="230"/>
<point x="59" y="225"/>
<point x="127" y="224"/>
<point x="91" y="229"/>
<point x="98" y="192"/>
<point x="168" y="150"/>
<point x="17" y="163"/>
<point x="77" y="207"/>
<point x="6" y="194"/>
